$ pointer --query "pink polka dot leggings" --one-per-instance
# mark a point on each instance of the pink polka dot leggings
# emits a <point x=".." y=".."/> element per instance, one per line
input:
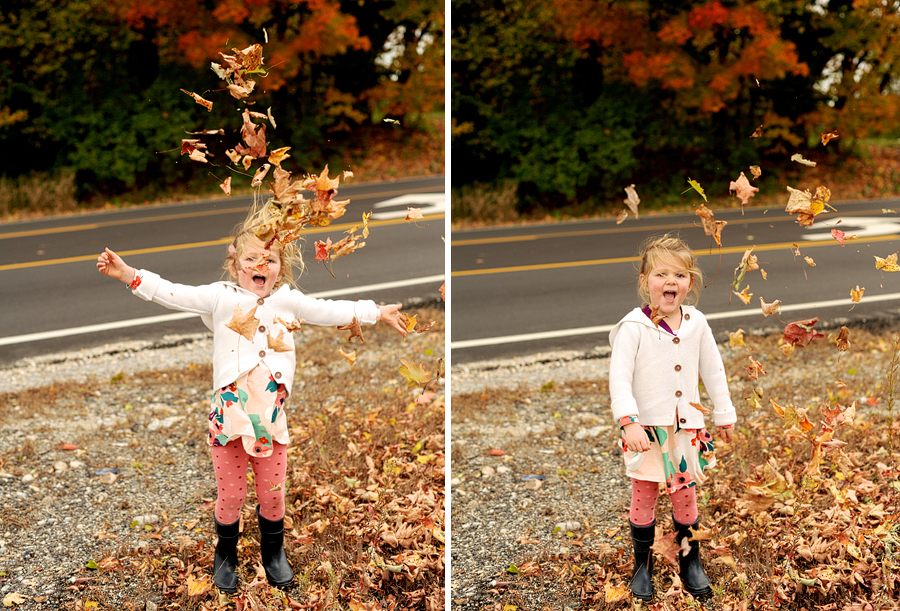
<point x="643" y="503"/>
<point x="230" y="465"/>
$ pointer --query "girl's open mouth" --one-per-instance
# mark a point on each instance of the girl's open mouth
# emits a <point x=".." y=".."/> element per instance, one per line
<point x="669" y="295"/>
<point x="259" y="280"/>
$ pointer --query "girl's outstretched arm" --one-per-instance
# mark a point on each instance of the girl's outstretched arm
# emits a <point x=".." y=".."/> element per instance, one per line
<point x="390" y="314"/>
<point x="112" y="265"/>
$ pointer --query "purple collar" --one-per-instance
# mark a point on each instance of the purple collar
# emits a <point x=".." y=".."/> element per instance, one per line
<point x="646" y="310"/>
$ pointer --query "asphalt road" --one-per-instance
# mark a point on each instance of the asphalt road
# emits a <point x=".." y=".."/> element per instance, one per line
<point x="52" y="298"/>
<point x="527" y="289"/>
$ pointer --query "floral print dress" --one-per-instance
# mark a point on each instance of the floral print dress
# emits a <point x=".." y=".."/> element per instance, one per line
<point x="250" y="409"/>
<point x="676" y="456"/>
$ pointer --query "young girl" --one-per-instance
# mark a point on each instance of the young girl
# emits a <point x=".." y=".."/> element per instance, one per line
<point x="251" y="317"/>
<point x="658" y="352"/>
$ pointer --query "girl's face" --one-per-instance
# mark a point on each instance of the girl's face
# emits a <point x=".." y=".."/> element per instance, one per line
<point x="668" y="284"/>
<point x="258" y="269"/>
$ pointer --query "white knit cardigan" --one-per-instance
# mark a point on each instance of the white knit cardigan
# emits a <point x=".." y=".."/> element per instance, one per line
<point x="654" y="375"/>
<point x="234" y="354"/>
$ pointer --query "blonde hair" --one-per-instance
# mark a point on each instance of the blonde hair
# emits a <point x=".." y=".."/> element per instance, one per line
<point x="260" y="226"/>
<point x="655" y="250"/>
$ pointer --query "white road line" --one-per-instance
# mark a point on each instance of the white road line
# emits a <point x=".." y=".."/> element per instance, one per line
<point x="528" y="337"/>
<point x="151" y="320"/>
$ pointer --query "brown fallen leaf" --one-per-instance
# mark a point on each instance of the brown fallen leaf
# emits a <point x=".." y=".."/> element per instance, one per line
<point x="711" y="226"/>
<point x="620" y="218"/>
<point x="757" y="133"/>
<point x="350" y="356"/>
<point x="743" y="189"/>
<point x="226" y="186"/>
<point x="843" y="339"/>
<point x="244" y="325"/>
<point x="769" y="308"/>
<point x="829" y="136"/>
<point x="199" y="99"/>
<point x="413" y="214"/>
<point x="355" y="330"/>
<point x="277" y="343"/>
<point x="736" y="338"/>
<point x="632" y="200"/>
<point x="294" y="325"/>
<point x="700" y="408"/>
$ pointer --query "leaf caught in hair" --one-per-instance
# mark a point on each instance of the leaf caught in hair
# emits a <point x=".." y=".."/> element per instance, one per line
<point x="277" y="343"/>
<point x="632" y="200"/>
<point x="799" y="159"/>
<point x="769" y="308"/>
<point x="743" y="189"/>
<point x="260" y="175"/>
<point x="244" y="324"/>
<point x="829" y="136"/>
<point x="801" y="332"/>
<point x="711" y="226"/>
<point x="696" y="187"/>
<point x="199" y="99"/>
<point x="355" y="330"/>
<point x="350" y="356"/>
<point x="888" y="264"/>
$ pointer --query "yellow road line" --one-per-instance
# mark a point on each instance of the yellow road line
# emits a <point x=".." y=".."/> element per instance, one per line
<point x="165" y="217"/>
<point x="714" y="253"/>
<point x="632" y="229"/>
<point x="220" y="241"/>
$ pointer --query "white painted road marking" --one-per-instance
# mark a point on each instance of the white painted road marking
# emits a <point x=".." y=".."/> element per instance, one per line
<point x="428" y="203"/>
<point x="529" y="337"/>
<point x="868" y="227"/>
<point x="151" y="320"/>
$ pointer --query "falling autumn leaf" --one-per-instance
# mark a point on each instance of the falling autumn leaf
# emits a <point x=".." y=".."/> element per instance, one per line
<point x="415" y="375"/>
<point x="194" y="149"/>
<point x="829" y="136"/>
<point x="744" y="295"/>
<point x="620" y="218"/>
<point x="347" y="174"/>
<point x="736" y="338"/>
<point x="355" y="330"/>
<point x="322" y="249"/>
<point x="799" y="159"/>
<point x="254" y="137"/>
<point x="711" y="226"/>
<point x="755" y="368"/>
<point x="757" y="133"/>
<point x="442" y="289"/>
<point x="408" y="321"/>
<point x="756" y="171"/>
<point x="292" y="326"/>
<point x="749" y="262"/>
<point x="838" y="235"/>
<point x="700" y="408"/>
<point x="277" y="343"/>
<point x="199" y="99"/>
<point x="244" y="324"/>
<point x="888" y="264"/>
<point x="392" y="121"/>
<point x="350" y="356"/>
<point x="279" y="155"/>
<point x="856" y="295"/>
<point x="632" y="200"/>
<point x="655" y="316"/>
<point x="260" y="175"/>
<point x="413" y="214"/>
<point x="769" y="308"/>
<point x="696" y="187"/>
<point x="809" y="261"/>
<point x="801" y="332"/>
<point x="226" y="186"/>
<point x="806" y="206"/>
<point x="743" y="189"/>
<point x="843" y="339"/>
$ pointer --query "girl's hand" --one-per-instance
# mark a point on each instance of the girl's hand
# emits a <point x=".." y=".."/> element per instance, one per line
<point x="726" y="434"/>
<point x="112" y="265"/>
<point x="635" y="438"/>
<point x="390" y="314"/>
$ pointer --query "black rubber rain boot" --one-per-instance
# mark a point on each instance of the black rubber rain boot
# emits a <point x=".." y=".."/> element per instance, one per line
<point x="225" y="562"/>
<point x="642" y="577"/>
<point x="693" y="576"/>
<point x="271" y="547"/>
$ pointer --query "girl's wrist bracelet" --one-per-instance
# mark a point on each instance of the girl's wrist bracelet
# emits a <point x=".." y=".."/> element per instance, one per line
<point x="136" y="282"/>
